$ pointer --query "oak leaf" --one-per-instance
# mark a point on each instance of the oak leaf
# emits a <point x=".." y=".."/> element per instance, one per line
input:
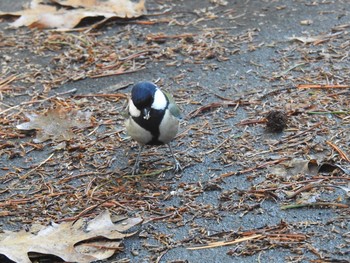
<point x="56" y="124"/>
<point x="67" y="14"/>
<point x="73" y="242"/>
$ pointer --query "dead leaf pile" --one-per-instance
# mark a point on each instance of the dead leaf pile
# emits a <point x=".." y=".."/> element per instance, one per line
<point x="67" y="14"/>
<point x="56" y="124"/>
<point x="73" y="242"/>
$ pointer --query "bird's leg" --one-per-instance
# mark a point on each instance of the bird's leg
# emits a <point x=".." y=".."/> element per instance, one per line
<point x="177" y="167"/>
<point x="136" y="168"/>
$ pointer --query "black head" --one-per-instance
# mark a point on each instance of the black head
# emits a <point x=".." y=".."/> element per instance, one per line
<point x="142" y="94"/>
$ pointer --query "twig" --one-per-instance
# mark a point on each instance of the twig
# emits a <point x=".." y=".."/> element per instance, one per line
<point x="281" y="74"/>
<point x="210" y="106"/>
<point x="161" y="37"/>
<point x="326" y="112"/>
<point x="226" y="243"/>
<point x="161" y="255"/>
<point x="304" y="188"/>
<point x="115" y="73"/>
<point x="339" y="93"/>
<point x="157" y="218"/>
<point x="322" y="86"/>
<point x="331" y="178"/>
<point x="222" y="143"/>
<point x="85" y="211"/>
<point x="341" y="153"/>
<point x="37" y="167"/>
<point x="254" y="168"/>
<point x="287" y="237"/>
<point x="299" y="134"/>
<point x="37" y="101"/>
<point x="115" y="95"/>
<point x="248" y="122"/>
<point x="313" y="204"/>
<point x="149" y="174"/>
<point x="138" y="54"/>
<point x="7" y="81"/>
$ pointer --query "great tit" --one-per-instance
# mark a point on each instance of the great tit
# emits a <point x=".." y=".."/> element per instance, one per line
<point x="153" y="119"/>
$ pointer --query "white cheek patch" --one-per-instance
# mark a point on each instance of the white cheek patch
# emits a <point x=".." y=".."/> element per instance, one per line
<point x="134" y="112"/>
<point x="160" y="101"/>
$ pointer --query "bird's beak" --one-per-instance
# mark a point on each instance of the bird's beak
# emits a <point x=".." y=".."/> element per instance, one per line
<point x="146" y="112"/>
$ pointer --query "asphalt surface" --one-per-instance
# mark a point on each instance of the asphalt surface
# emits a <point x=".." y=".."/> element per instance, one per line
<point x="248" y="71"/>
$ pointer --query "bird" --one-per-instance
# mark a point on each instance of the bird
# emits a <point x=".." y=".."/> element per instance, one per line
<point x="153" y="119"/>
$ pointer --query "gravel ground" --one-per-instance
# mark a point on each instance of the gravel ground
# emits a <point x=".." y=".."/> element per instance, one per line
<point x="228" y="64"/>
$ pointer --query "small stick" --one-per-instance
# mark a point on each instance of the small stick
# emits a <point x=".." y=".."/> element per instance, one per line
<point x="248" y="122"/>
<point x="149" y="174"/>
<point x="7" y="81"/>
<point x="138" y="54"/>
<point x="115" y="95"/>
<point x="37" y="167"/>
<point x="287" y="236"/>
<point x="157" y="218"/>
<point x="226" y="243"/>
<point x="299" y="134"/>
<point x="85" y="211"/>
<point x="322" y="86"/>
<point x="210" y="106"/>
<point x="222" y="143"/>
<point x="163" y="37"/>
<point x="327" y="112"/>
<point x="313" y="204"/>
<point x="255" y="168"/>
<point x="341" y="153"/>
<point x="115" y="73"/>
<point x="305" y="188"/>
<point x="281" y="74"/>
<point x="37" y="101"/>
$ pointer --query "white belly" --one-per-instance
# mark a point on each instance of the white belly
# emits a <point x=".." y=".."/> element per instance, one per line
<point x="168" y="127"/>
<point x="135" y="131"/>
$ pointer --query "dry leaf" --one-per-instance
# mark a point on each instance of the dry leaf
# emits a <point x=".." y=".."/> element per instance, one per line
<point x="307" y="40"/>
<point x="295" y="166"/>
<point x="313" y="39"/>
<point x="306" y="22"/>
<point x="73" y="242"/>
<point x="99" y="249"/>
<point x="68" y="14"/>
<point x="56" y="124"/>
<point x="308" y="198"/>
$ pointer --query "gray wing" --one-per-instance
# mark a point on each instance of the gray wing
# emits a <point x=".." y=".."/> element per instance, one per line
<point x="173" y="108"/>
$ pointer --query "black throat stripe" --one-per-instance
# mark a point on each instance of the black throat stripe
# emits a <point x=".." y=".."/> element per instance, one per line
<point x="152" y="124"/>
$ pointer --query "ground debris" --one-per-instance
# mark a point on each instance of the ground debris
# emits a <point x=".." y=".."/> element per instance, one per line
<point x="276" y="121"/>
<point x="70" y="241"/>
<point x="56" y="124"/>
<point x="228" y="65"/>
<point x="69" y="14"/>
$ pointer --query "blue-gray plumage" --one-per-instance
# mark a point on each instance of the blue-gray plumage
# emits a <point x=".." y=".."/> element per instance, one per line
<point x="153" y="118"/>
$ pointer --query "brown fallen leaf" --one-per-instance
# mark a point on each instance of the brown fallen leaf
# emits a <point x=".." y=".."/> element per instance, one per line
<point x="314" y="39"/>
<point x="99" y="249"/>
<point x="56" y="124"/>
<point x="73" y="242"/>
<point x="295" y="166"/>
<point x="67" y="14"/>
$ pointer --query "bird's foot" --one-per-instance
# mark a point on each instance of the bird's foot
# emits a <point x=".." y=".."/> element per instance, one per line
<point x="177" y="168"/>
<point x="135" y="169"/>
